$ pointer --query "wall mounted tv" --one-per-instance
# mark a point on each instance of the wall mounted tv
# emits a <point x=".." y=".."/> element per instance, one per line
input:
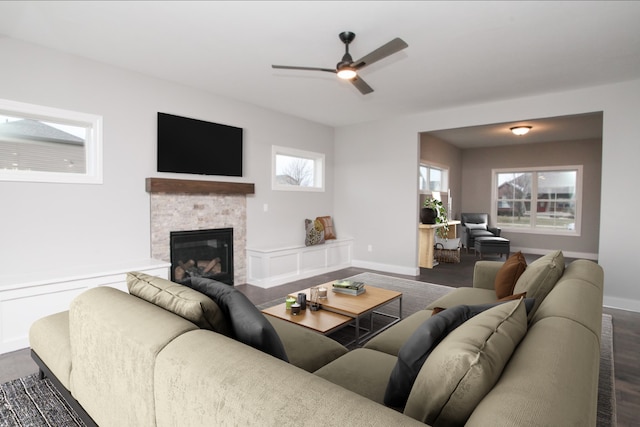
<point x="197" y="147"/>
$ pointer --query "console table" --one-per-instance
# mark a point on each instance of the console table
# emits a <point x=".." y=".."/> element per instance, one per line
<point x="426" y="241"/>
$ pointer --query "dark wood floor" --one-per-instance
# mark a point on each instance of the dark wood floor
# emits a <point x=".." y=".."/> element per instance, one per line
<point x="626" y="330"/>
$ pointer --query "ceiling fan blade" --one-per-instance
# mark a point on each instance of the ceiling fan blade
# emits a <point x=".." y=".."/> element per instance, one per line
<point x="395" y="45"/>
<point x="361" y="85"/>
<point x="290" y="67"/>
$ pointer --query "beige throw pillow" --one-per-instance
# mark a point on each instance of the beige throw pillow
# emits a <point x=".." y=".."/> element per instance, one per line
<point x="540" y="277"/>
<point x="465" y="366"/>
<point x="180" y="300"/>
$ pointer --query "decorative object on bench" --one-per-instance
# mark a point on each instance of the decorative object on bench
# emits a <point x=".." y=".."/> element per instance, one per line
<point x="314" y="232"/>
<point x="476" y="225"/>
<point x="327" y="225"/>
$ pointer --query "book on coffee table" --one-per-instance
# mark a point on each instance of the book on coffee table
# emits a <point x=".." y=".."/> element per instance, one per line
<point x="348" y="284"/>
<point x="349" y="291"/>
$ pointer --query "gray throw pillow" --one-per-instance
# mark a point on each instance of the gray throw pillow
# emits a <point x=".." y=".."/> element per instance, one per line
<point x="416" y="349"/>
<point x="247" y="322"/>
<point x="465" y="366"/>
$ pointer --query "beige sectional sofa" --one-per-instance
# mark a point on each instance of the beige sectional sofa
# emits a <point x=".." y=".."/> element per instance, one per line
<point x="126" y="361"/>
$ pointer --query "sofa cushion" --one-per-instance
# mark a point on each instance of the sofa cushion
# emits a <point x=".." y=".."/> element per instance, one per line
<point x="417" y="348"/>
<point x="363" y="371"/>
<point x="249" y="325"/>
<point x="49" y="339"/>
<point x="464" y="367"/>
<point x="180" y="300"/>
<point x="508" y="274"/>
<point x="540" y="277"/>
<point x="305" y="348"/>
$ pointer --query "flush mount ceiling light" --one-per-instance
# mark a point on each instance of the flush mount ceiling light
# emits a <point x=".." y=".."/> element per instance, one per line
<point x="520" y="130"/>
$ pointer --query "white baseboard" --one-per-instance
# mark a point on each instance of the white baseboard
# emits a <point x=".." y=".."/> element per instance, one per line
<point x="622" y="303"/>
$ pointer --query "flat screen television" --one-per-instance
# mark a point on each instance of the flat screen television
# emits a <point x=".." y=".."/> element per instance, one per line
<point x="197" y="147"/>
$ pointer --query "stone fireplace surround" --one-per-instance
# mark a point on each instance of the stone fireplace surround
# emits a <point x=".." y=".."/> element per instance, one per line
<point x="180" y="205"/>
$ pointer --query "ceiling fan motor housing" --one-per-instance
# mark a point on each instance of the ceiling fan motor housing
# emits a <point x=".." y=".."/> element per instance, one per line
<point x="347" y="37"/>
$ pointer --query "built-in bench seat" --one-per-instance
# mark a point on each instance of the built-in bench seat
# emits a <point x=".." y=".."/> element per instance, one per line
<point x="269" y="266"/>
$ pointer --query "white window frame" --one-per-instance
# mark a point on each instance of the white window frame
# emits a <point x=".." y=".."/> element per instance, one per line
<point x="318" y="168"/>
<point x="445" y="176"/>
<point x="532" y="229"/>
<point x="93" y="143"/>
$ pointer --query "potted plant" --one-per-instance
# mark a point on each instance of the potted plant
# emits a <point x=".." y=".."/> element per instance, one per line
<point x="434" y="212"/>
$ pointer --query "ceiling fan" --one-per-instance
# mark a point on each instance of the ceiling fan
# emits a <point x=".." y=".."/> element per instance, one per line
<point x="347" y="68"/>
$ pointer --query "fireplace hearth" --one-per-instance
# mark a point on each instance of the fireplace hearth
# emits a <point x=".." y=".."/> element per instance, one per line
<point x="202" y="253"/>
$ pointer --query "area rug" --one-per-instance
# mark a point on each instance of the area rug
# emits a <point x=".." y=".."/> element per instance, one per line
<point x="30" y="402"/>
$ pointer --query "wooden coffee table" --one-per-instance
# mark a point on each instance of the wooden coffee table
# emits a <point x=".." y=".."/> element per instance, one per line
<point x="321" y="321"/>
<point x="339" y="310"/>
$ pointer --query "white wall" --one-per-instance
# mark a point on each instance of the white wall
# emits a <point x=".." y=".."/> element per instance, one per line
<point x="376" y="169"/>
<point x="61" y="227"/>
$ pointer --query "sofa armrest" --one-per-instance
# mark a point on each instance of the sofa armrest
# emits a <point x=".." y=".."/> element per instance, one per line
<point x="495" y="230"/>
<point x="484" y="274"/>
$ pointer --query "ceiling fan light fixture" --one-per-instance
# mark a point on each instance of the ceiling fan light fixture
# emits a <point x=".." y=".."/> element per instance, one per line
<point x="347" y="73"/>
<point x="520" y="130"/>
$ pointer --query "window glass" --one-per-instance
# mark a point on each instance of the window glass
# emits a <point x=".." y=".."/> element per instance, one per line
<point x="297" y="170"/>
<point x="545" y="200"/>
<point x="432" y="178"/>
<point x="48" y="145"/>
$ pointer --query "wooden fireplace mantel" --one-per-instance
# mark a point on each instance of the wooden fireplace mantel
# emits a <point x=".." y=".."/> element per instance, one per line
<point x="165" y="185"/>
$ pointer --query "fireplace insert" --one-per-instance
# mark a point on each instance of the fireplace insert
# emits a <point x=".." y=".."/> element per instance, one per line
<point x="202" y="253"/>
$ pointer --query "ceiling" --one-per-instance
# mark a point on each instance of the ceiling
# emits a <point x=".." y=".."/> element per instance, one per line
<point x="459" y="53"/>
<point x="551" y="129"/>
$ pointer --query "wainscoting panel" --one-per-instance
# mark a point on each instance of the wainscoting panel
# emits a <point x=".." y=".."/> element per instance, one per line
<point x="268" y="267"/>
<point x="27" y="299"/>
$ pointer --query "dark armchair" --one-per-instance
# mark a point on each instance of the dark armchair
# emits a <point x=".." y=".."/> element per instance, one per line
<point x="476" y="225"/>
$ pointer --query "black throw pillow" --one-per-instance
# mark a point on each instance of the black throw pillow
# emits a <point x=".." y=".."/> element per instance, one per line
<point x="416" y="349"/>
<point x="247" y="322"/>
